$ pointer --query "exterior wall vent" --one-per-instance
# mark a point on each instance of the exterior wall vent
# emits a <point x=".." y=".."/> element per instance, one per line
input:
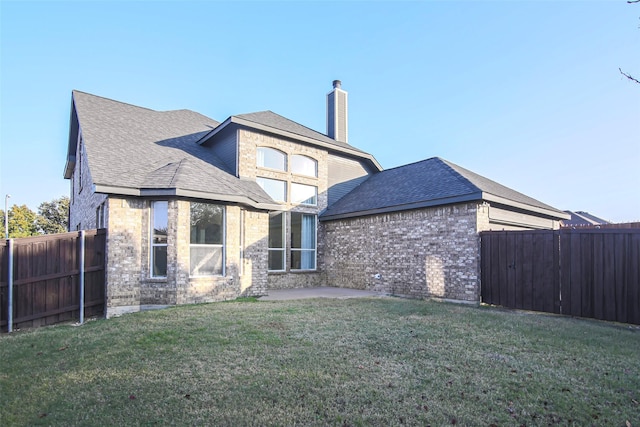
<point x="337" y="113"/>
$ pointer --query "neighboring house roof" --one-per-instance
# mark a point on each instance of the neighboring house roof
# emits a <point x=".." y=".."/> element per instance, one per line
<point x="137" y="151"/>
<point x="580" y="218"/>
<point x="430" y="182"/>
<point x="279" y="125"/>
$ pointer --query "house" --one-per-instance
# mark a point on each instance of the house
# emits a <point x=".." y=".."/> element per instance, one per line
<point x="199" y="210"/>
<point x="582" y="219"/>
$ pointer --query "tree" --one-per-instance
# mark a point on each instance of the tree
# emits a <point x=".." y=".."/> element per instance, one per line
<point x="53" y="216"/>
<point x="627" y="75"/>
<point x="22" y="222"/>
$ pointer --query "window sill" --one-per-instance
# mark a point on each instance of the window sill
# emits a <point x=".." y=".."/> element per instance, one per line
<point x="214" y="276"/>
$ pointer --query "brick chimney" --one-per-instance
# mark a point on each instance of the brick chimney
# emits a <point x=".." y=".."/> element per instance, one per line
<point x="337" y="113"/>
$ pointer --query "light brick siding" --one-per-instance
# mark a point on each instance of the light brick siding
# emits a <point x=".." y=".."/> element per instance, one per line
<point x="124" y="252"/>
<point x="248" y="142"/>
<point x="432" y="252"/>
<point x="129" y="284"/>
<point x="253" y="281"/>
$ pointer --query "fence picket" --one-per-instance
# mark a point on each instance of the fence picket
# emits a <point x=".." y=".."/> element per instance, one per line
<point x="47" y="277"/>
<point x="584" y="272"/>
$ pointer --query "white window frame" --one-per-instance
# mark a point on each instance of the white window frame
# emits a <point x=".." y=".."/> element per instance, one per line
<point x="297" y="172"/>
<point x="302" y="202"/>
<point x="261" y="182"/>
<point x="283" y="249"/>
<point x="211" y="245"/>
<point x="272" y="150"/>
<point x="301" y="250"/>
<point x="152" y="244"/>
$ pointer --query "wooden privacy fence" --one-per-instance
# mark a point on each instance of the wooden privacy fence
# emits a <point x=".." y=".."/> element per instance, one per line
<point x="579" y="272"/>
<point x="50" y="275"/>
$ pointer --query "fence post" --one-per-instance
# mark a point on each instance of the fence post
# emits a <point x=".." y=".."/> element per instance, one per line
<point x="81" y="269"/>
<point x="10" y="287"/>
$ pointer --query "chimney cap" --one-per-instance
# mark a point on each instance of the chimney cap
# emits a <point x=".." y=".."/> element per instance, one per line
<point x="337" y="84"/>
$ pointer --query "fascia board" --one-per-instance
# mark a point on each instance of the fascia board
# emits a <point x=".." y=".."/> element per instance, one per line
<point x="552" y="213"/>
<point x="69" y="166"/>
<point x="213" y="132"/>
<point x="177" y="192"/>
<point x="409" y="206"/>
<point x="306" y="139"/>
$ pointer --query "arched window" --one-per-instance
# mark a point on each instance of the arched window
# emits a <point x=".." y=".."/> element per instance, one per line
<point x="303" y="165"/>
<point x="271" y="158"/>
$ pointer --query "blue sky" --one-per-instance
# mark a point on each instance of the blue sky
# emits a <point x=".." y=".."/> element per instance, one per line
<point x="525" y="93"/>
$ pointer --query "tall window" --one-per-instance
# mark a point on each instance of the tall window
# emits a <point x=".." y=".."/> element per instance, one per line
<point x="303" y="241"/>
<point x="271" y="158"/>
<point x="303" y="165"/>
<point x="207" y="240"/>
<point x="159" y="211"/>
<point x="304" y="194"/>
<point x="276" y="189"/>
<point x="276" y="242"/>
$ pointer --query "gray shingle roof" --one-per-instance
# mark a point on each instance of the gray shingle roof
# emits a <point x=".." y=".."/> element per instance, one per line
<point x="580" y="218"/>
<point x="271" y="119"/>
<point x="137" y="148"/>
<point x="430" y="182"/>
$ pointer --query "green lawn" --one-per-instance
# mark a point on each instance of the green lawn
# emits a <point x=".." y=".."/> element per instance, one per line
<point x="378" y="361"/>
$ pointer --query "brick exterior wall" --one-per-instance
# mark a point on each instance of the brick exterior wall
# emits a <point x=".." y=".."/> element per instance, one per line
<point x="129" y="281"/>
<point x="248" y="143"/>
<point x="124" y="252"/>
<point x="432" y="252"/>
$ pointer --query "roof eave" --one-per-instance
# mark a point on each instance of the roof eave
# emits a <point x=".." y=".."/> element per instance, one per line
<point x="69" y="166"/>
<point x="409" y="206"/>
<point x="213" y="131"/>
<point x="180" y="192"/>
<point x="248" y="123"/>
<point x="553" y="213"/>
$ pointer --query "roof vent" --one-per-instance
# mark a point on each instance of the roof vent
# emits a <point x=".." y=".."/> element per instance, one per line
<point x="337" y="114"/>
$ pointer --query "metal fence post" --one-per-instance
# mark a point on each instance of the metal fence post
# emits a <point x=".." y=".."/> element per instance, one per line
<point x="10" y="287"/>
<point x="81" y="269"/>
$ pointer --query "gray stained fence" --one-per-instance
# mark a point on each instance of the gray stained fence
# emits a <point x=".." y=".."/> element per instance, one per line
<point x="46" y="278"/>
<point x="591" y="273"/>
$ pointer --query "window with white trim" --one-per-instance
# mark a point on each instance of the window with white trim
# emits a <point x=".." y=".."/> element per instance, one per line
<point x="276" y="241"/>
<point x="275" y="188"/>
<point x="158" y="253"/>
<point x="206" y="249"/>
<point x="303" y="241"/>
<point x="304" y="194"/>
<point x="271" y="158"/>
<point x="303" y="165"/>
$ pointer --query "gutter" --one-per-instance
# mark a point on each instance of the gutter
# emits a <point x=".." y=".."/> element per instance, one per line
<point x="405" y="207"/>
<point x="477" y="196"/>
<point x="291" y="135"/>
<point x="178" y="192"/>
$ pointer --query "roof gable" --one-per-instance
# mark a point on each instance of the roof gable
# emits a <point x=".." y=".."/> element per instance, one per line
<point x="274" y="123"/>
<point x="135" y="148"/>
<point x="431" y="182"/>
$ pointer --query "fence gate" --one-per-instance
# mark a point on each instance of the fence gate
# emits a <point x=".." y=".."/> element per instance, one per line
<point x="584" y="272"/>
<point x="520" y="269"/>
<point x="46" y="278"/>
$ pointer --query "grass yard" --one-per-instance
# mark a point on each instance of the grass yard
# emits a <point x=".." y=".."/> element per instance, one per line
<point x="378" y="361"/>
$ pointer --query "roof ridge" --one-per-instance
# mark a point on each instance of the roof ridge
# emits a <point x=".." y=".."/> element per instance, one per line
<point x="74" y="91"/>
<point x="457" y="174"/>
<point x="286" y="118"/>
